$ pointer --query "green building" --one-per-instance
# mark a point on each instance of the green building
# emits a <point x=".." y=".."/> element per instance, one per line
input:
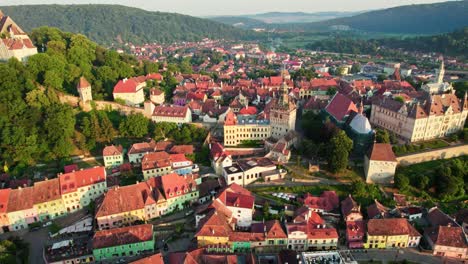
<point x="125" y="241"/>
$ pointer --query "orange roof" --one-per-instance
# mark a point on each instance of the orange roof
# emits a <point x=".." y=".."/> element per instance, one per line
<point x="126" y="86"/>
<point x="4" y="196"/>
<point x="112" y="150"/>
<point x="174" y="185"/>
<point x="46" y="191"/>
<point x="181" y="149"/>
<point x="388" y="227"/>
<point x="123" y="199"/>
<point x="155" y="160"/>
<point x="25" y="195"/>
<point x="83" y="83"/>
<point x="123" y="236"/>
<point x="170" y="111"/>
<point x="70" y="182"/>
<point x="382" y="152"/>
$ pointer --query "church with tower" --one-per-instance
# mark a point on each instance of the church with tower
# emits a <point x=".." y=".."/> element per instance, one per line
<point x="282" y="113"/>
<point x="438" y="86"/>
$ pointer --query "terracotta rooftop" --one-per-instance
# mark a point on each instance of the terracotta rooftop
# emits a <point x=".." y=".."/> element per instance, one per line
<point x="83" y="83"/>
<point x="4" y="197"/>
<point x="112" y="150"/>
<point x="452" y="236"/>
<point x="390" y="227"/>
<point x="153" y="259"/>
<point x="170" y="111"/>
<point x="46" y="191"/>
<point x="70" y="182"/>
<point x="123" y="236"/>
<point x="382" y="152"/>
<point x="340" y="106"/>
<point x="155" y="160"/>
<point x="126" y="86"/>
<point x="25" y="195"/>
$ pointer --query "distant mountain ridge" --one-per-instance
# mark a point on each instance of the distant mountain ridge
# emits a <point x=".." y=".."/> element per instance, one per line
<point x="420" y="19"/>
<point x="409" y="19"/>
<point x="108" y="23"/>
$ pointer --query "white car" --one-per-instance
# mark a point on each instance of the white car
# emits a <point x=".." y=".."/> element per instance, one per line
<point x="47" y="224"/>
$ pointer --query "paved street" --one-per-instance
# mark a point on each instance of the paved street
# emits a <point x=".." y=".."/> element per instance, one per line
<point x="389" y="255"/>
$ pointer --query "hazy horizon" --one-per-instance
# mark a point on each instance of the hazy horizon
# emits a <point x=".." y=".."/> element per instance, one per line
<point x="202" y="8"/>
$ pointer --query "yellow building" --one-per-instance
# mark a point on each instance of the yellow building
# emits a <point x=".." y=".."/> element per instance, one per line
<point x="244" y="129"/>
<point x="214" y="231"/>
<point x="48" y="202"/>
<point x="79" y="188"/>
<point x="391" y="233"/>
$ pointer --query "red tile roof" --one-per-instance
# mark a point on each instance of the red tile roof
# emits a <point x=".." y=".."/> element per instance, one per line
<point x="249" y="110"/>
<point x="123" y="199"/>
<point x="4" y="197"/>
<point x="172" y="183"/>
<point x="348" y="206"/>
<point x="25" y="195"/>
<point x="112" y="150"/>
<point x="70" y="168"/>
<point x="70" y="182"/>
<point x="155" y="160"/>
<point x="46" y="191"/>
<point x="452" y="236"/>
<point x="181" y="149"/>
<point x="328" y="201"/>
<point x="355" y="229"/>
<point x="170" y="111"/>
<point x="126" y="86"/>
<point x="123" y="236"/>
<point x="340" y="106"/>
<point x="154" y="76"/>
<point x="83" y="83"/>
<point x="382" y="152"/>
<point x="389" y="227"/>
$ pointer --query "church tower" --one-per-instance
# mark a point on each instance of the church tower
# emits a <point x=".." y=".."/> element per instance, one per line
<point x="440" y="73"/>
<point x="282" y="113"/>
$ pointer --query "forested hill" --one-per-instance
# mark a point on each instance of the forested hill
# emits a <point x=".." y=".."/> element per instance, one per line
<point x="455" y="44"/>
<point x="415" y="19"/>
<point x="109" y="23"/>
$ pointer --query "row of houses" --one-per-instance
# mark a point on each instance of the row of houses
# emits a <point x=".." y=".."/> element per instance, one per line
<point x="50" y="198"/>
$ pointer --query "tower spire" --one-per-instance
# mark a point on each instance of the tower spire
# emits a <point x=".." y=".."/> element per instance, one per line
<point x="441" y="72"/>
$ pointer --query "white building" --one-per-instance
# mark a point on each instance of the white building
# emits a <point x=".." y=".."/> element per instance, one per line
<point x="380" y="164"/>
<point x="172" y="114"/>
<point x="131" y="91"/>
<point x="246" y="171"/>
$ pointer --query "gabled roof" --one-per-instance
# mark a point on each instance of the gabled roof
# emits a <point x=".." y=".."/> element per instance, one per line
<point x="123" y="236"/>
<point x="170" y="111"/>
<point x="349" y="206"/>
<point x="112" y="150"/>
<point x="126" y="86"/>
<point x="340" y="106"/>
<point x="449" y="236"/>
<point x="46" y="191"/>
<point x="70" y="182"/>
<point x="390" y="227"/>
<point x="377" y="210"/>
<point x="25" y="195"/>
<point x="155" y="160"/>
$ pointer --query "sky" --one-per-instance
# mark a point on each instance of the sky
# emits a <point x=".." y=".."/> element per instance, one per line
<point x="237" y="7"/>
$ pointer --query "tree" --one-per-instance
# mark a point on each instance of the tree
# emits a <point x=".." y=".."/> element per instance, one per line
<point x="135" y="125"/>
<point x="359" y="189"/>
<point x="107" y="130"/>
<point x="382" y="136"/>
<point x="356" y="68"/>
<point x="338" y="151"/>
<point x="266" y="210"/>
<point x="60" y="126"/>
<point x="402" y="181"/>
<point x="331" y="91"/>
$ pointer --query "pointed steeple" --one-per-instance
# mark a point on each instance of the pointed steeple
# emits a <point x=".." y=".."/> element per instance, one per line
<point x="284" y="89"/>
<point x="440" y="73"/>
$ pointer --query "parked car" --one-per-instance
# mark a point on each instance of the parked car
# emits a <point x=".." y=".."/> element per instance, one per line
<point x="47" y="224"/>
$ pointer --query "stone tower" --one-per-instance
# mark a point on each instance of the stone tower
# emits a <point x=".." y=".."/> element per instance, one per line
<point x="84" y="89"/>
<point x="282" y="113"/>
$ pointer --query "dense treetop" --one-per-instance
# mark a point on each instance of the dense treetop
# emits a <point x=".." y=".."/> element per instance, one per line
<point x="455" y="43"/>
<point x="107" y="24"/>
